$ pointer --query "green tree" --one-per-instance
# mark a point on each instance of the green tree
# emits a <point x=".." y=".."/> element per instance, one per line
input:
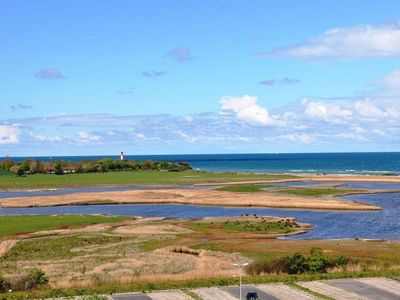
<point x="296" y="264"/>
<point x="317" y="261"/>
<point x="58" y="169"/>
<point x="20" y="172"/>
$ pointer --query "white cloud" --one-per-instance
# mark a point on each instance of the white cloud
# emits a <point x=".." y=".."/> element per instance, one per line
<point x="246" y="109"/>
<point x="379" y="132"/>
<point x="329" y="112"/>
<point x="86" y="137"/>
<point x="357" y="42"/>
<point x="389" y="85"/>
<point x="296" y="137"/>
<point x="44" y="138"/>
<point x="351" y="136"/>
<point x="369" y="110"/>
<point x="9" y="134"/>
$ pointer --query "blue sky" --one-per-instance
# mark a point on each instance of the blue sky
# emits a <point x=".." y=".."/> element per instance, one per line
<point x="159" y="77"/>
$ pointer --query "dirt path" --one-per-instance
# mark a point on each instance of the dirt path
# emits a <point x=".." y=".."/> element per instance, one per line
<point x="185" y="196"/>
<point x="6" y="245"/>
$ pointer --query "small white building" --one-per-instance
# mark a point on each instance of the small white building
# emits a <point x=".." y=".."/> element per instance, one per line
<point x="122" y="156"/>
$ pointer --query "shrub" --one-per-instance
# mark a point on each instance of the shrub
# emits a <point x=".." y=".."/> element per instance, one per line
<point x="36" y="278"/>
<point x="296" y="264"/>
<point x="266" y="266"/>
<point x="317" y="261"/>
<point x="58" y="169"/>
<point x="340" y="261"/>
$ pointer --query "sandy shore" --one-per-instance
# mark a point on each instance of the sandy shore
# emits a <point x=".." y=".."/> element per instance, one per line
<point x="185" y="196"/>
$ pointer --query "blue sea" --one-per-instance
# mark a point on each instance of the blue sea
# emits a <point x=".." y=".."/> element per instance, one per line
<point x="338" y="163"/>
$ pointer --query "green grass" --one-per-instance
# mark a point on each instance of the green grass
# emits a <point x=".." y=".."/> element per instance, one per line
<point x="154" y="244"/>
<point x="315" y="192"/>
<point x="127" y="178"/>
<point x="244" y="188"/>
<point x="58" y="247"/>
<point x="188" y="284"/>
<point x="259" y="227"/>
<point x="11" y="225"/>
<point x="4" y="172"/>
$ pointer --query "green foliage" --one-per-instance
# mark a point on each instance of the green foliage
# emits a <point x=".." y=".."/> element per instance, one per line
<point x="10" y="225"/>
<point x="242" y="188"/>
<point x="20" y="172"/>
<point x="36" y="278"/>
<point x="315" y="263"/>
<point x="103" y="165"/>
<point x="58" y="169"/>
<point x="295" y="264"/>
<point x="261" y="227"/>
<point x="317" y="192"/>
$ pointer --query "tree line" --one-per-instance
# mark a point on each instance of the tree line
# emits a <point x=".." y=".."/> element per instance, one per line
<point x="60" y="167"/>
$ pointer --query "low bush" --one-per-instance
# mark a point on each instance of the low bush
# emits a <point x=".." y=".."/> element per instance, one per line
<point x="34" y="279"/>
<point x="266" y="266"/>
<point x="297" y="263"/>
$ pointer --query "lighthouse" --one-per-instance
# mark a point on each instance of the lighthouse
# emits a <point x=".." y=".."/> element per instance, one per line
<point x="122" y="155"/>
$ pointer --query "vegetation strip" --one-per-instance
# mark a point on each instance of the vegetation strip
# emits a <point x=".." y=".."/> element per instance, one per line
<point x="40" y="181"/>
<point x="189" y="284"/>
<point x="308" y="291"/>
<point x="192" y="294"/>
<point x="11" y="225"/>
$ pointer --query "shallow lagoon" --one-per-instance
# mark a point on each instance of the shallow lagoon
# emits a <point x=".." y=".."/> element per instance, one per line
<point x="384" y="224"/>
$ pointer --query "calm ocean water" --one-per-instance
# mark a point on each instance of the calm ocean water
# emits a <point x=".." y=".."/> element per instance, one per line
<point x="346" y="163"/>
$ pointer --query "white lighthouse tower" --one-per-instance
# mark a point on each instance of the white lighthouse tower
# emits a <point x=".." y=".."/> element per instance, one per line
<point x="122" y="156"/>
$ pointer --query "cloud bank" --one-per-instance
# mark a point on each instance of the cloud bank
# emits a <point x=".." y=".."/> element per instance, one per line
<point x="348" y="43"/>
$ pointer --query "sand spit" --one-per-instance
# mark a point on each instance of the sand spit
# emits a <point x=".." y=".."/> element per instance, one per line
<point x="185" y="196"/>
<point x="340" y="178"/>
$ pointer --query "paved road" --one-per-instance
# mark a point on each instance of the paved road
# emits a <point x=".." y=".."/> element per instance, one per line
<point x="349" y="289"/>
<point x="235" y="292"/>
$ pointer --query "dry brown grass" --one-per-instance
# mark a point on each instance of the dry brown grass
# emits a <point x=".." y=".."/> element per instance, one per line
<point x="6" y="246"/>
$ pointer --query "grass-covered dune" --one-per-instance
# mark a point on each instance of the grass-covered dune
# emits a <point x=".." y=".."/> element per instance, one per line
<point x="37" y="181"/>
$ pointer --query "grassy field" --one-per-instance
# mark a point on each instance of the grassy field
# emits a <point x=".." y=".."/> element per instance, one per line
<point x="149" y="254"/>
<point x="127" y="178"/>
<point x="298" y="191"/>
<point x="11" y="225"/>
<point x="259" y="227"/>
<point x="317" y="192"/>
<point x="244" y="188"/>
